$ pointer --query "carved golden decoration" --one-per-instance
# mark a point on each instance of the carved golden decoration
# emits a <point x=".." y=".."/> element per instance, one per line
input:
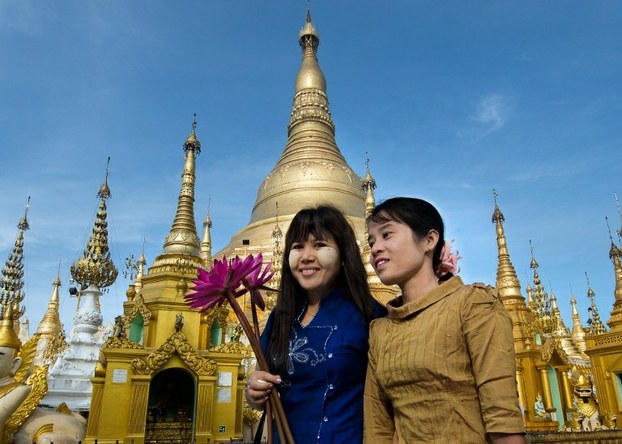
<point x="176" y="343"/>
<point x="125" y="343"/>
<point x="178" y="432"/>
<point x="138" y="307"/>
<point x="46" y="428"/>
<point x="554" y="345"/>
<point x="27" y="353"/>
<point x="55" y="346"/>
<point x="38" y="381"/>
<point x="231" y="347"/>
<point x="250" y="416"/>
<point x="64" y="408"/>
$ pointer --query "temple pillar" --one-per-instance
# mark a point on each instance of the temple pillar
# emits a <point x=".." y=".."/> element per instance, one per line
<point x="138" y="409"/>
<point x="203" y="417"/>
<point x="546" y="390"/>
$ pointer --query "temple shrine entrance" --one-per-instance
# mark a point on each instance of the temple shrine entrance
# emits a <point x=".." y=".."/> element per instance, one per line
<point x="170" y="414"/>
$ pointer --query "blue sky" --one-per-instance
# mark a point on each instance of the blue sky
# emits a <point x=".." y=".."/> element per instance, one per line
<point x="450" y="99"/>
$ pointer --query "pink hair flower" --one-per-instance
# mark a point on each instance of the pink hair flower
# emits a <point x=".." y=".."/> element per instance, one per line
<point x="449" y="260"/>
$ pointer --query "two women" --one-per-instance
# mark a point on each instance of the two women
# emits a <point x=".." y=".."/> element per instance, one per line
<point x="441" y="365"/>
<point x="316" y="338"/>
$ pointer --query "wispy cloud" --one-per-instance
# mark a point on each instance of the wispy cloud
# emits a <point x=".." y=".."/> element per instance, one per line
<point x="492" y="112"/>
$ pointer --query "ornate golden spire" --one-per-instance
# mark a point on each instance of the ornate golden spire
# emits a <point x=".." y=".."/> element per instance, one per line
<point x="206" y="243"/>
<point x="277" y="251"/>
<point x="311" y="169"/>
<point x="615" y="321"/>
<point x="183" y="238"/>
<point x="541" y="300"/>
<point x="50" y="324"/>
<point x="12" y="282"/>
<point x="95" y="267"/>
<point x="561" y="332"/>
<point x="559" y="327"/>
<point x="138" y="282"/>
<point x="508" y="284"/>
<point x="369" y="185"/>
<point x="578" y="332"/>
<point x="8" y="337"/>
<point x="596" y="325"/>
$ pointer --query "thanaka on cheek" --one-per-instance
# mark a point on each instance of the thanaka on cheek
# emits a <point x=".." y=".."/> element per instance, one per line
<point x="328" y="257"/>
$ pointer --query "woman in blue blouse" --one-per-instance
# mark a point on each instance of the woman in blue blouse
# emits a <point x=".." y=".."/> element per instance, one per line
<point x="316" y="336"/>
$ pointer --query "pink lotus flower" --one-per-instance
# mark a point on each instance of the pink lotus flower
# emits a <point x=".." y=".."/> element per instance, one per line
<point x="255" y="281"/>
<point x="211" y="288"/>
<point x="449" y="261"/>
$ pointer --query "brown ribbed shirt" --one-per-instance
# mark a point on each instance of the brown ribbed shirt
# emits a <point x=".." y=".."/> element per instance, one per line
<point x="442" y="369"/>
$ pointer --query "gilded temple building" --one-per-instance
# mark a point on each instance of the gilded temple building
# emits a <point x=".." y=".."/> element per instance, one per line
<point x="568" y="380"/>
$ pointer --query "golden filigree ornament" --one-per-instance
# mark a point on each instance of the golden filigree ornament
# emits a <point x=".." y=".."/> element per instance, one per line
<point x="250" y="416"/>
<point x="176" y="343"/>
<point x="95" y="267"/>
<point x="235" y="348"/>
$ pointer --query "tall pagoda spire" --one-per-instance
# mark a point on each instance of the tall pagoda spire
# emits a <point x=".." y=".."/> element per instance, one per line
<point x="95" y="266"/>
<point x="578" y="332"/>
<point x="52" y="337"/>
<point x="50" y="324"/>
<point x="183" y="238"/>
<point x="206" y="242"/>
<point x="508" y="284"/>
<point x="12" y="282"/>
<point x="311" y="169"/>
<point x="561" y="332"/>
<point x="541" y="300"/>
<point x="369" y="185"/>
<point x="559" y="327"/>
<point x="615" y="322"/>
<point x="596" y="325"/>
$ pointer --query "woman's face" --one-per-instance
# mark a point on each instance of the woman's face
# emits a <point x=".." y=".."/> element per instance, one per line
<point x="397" y="254"/>
<point x="315" y="264"/>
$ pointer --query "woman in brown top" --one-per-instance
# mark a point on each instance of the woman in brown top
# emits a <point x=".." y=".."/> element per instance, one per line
<point x="441" y="365"/>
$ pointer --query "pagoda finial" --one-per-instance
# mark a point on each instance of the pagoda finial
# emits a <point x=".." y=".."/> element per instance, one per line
<point x="368" y="185"/>
<point x="619" y="232"/>
<point x="50" y="324"/>
<point x="183" y="238"/>
<point x="507" y="283"/>
<point x="578" y="332"/>
<point x="559" y="327"/>
<point x="206" y="243"/>
<point x="596" y="325"/>
<point x="12" y="282"/>
<point x="104" y="190"/>
<point x="541" y="300"/>
<point x="95" y="266"/>
<point x="615" y="255"/>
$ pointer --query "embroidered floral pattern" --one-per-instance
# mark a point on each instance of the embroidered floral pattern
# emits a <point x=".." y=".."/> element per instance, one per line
<point x="301" y="354"/>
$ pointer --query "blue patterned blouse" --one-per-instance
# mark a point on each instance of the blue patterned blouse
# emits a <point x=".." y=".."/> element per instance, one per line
<point x="322" y="390"/>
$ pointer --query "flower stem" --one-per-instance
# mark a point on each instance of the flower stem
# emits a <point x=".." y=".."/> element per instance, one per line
<point x="279" y="414"/>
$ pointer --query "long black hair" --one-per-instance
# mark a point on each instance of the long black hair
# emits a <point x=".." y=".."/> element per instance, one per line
<point x="320" y="221"/>
<point x="421" y="216"/>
